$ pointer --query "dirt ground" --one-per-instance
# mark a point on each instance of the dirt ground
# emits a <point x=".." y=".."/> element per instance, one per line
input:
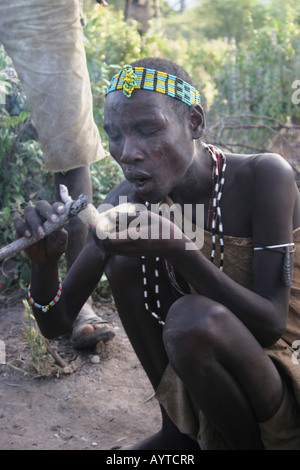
<point x="107" y="400"/>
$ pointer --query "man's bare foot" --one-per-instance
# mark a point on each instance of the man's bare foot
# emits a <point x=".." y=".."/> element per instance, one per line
<point x="89" y="328"/>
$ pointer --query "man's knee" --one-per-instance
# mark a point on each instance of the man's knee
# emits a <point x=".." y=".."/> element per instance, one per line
<point x="193" y="330"/>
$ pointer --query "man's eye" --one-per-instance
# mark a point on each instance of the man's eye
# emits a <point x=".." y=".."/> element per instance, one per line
<point x="113" y="133"/>
<point x="148" y="131"/>
<point x="114" y="137"/>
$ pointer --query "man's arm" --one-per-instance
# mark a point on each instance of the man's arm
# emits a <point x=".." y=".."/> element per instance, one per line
<point x="78" y="285"/>
<point x="44" y="255"/>
<point x="264" y="316"/>
<point x="263" y="311"/>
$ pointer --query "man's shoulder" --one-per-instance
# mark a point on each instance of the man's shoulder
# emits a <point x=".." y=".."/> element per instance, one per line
<point x="271" y="167"/>
<point x="261" y="165"/>
<point x="268" y="175"/>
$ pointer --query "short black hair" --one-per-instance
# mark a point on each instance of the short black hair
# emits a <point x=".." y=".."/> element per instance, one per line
<point x="167" y="66"/>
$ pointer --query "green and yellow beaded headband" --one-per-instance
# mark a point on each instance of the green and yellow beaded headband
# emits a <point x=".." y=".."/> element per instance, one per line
<point x="131" y="78"/>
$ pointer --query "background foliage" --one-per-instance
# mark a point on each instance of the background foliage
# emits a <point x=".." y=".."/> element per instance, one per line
<point x="243" y="55"/>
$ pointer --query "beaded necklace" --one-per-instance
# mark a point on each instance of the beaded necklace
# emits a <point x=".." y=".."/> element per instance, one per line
<point x="156" y="290"/>
<point x="218" y="178"/>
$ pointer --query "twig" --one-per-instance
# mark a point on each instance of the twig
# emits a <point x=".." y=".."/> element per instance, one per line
<point x="59" y="361"/>
<point x="264" y="118"/>
<point x="71" y="208"/>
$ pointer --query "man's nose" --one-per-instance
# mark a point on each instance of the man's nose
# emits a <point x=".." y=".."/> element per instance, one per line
<point x="131" y="152"/>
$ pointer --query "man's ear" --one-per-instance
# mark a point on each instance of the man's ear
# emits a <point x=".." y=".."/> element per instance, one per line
<point x="196" y="121"/>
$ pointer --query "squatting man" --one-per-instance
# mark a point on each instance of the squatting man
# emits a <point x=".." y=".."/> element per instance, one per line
<point x="212" y="327"/>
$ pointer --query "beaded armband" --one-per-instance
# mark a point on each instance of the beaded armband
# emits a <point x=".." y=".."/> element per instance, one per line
<point x="45" y="308"/>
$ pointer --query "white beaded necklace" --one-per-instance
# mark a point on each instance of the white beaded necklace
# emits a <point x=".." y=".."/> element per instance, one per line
<point x="219" y="166"/>
<point x="156" y="290"/>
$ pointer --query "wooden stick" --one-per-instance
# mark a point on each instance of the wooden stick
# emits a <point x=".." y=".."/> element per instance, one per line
<point x="72" y="208"/>
<point x="59" y="361"/>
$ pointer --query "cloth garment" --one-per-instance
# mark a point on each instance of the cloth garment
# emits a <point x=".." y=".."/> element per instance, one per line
<point x="45" y="42"/>
<point x="283" y="430"/>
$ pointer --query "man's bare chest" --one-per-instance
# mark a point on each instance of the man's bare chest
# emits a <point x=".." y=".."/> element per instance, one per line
<point x="149" y="283"/>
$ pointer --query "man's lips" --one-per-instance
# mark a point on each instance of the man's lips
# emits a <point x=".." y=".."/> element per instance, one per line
<point x="137" y="178"/>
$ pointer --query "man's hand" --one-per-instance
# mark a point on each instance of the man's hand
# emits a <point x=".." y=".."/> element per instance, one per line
<point x="146" y="233"/>
<point x="51" y="247"/>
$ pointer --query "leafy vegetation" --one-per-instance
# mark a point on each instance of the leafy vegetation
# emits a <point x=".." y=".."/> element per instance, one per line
<point x="243" y="55"/>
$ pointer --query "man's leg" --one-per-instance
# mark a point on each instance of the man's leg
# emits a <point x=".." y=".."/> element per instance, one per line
<point x="227" y="373"/>
<point x="88" y="328"/>
<point x="145" y="335"/>
<point x="168" y="438"/>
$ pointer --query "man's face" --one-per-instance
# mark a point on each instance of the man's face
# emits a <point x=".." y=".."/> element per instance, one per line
<point x="152" y="147"/>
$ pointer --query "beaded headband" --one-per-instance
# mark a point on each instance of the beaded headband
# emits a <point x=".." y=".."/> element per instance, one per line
<point x="130" y="78"/>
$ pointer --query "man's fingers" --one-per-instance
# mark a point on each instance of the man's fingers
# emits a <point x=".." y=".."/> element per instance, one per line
<point x="58" y="208"/>
<point x="46" y="211"/>
<point x="33" y="220"/>
<point x="21" y="227"/>
<point x="35" y="216"/>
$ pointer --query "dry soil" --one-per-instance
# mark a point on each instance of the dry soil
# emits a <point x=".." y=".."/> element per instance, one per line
<point x="104" y="399"/>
